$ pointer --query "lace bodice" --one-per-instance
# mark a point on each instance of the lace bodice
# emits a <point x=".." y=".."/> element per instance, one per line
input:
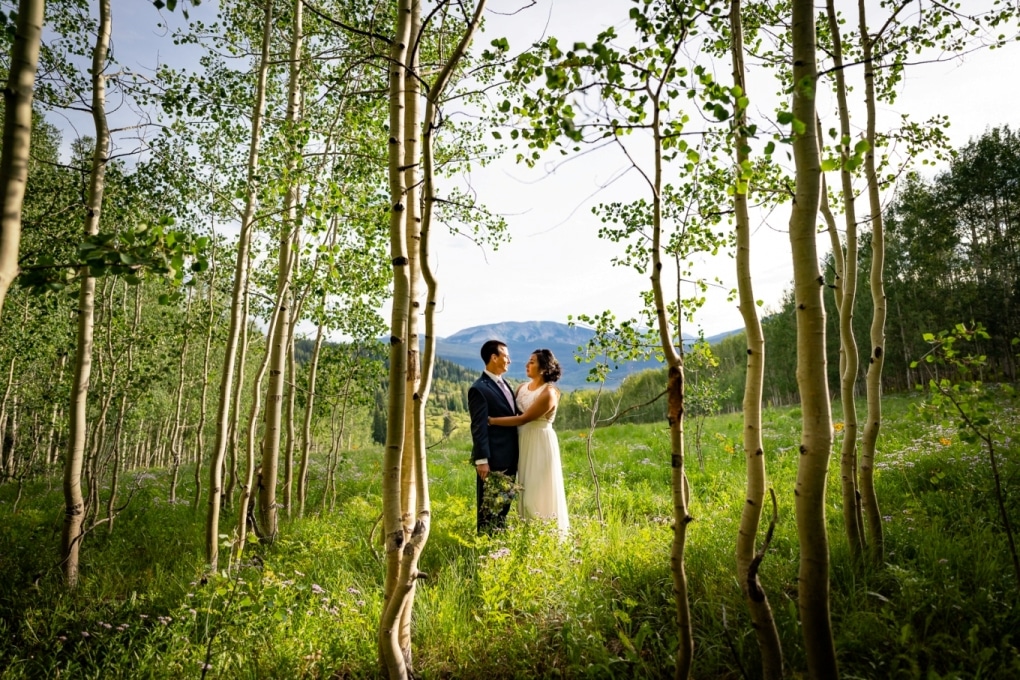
<point x="526" y="397"/>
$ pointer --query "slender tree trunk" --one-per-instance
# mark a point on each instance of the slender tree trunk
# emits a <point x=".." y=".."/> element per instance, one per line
<point x="233" y="430"/>
<point x="869" y="497"/>
<point x="849" y="361"/>
<point x="816" y="442"/>
<point x="395" y="627"/>
<point x="412" y="376"/>
<point x="390" y="656"/>
<point x="177" y="434"/>
<point x="118" y="455"/>
<point x="762" y="619"/>
<point x="675" y="416"/>
<point x="74" y="502"/>
<point x="53" y="438"/>
<point x="329" y="488"/>
<point x="17" y="135"/>
<point x="7" y="457"/>
<point x="253" y="416"/>
<point x="236" y="303"/>
<point x="288" y="459"/>
<point x="306" y="439"/>
<point x="204" y="401"/>
<point x="280" y="343"/>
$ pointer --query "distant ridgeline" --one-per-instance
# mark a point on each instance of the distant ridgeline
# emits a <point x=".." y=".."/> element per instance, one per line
<point x="459" y="362"/>
<point x="524" y="337"/>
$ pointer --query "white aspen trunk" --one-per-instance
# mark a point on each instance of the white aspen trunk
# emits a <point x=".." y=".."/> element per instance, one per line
<point x="256" y="406"/>
<point x="869" y="497"/>
<point x="306" y="440"/>
<point x="268" y="509"/>
<point x="233" y="430"/>
<point x="849" y="360"/>
<point x="288" y="459"/>
<point x="236" y="303"/>
<point x="401" y="599"/>
<point x="390" y="656"/>
<point x="204" y="399"/>
<point x="329" y="488"/>
<point x="762" y="620"/>
<point x="413" y="426"/>
<point x="816" y="442"/>
<point x="53" y="438"/>
<point x="17" y="135"/>
<point x="74" y="502"/>
<point x="118" y="455"/>
<point x="177" y="434"/>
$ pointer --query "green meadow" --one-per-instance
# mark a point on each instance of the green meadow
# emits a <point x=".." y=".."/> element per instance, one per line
<point x="524" y="604"/>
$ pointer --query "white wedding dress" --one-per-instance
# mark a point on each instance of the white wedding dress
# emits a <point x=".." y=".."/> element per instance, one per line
<point x="539" y="471"/>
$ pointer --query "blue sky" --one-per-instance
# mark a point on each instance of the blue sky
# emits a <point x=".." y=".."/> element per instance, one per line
<point x="555" y="265"/>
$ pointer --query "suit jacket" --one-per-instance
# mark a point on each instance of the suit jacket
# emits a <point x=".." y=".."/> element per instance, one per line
<point x="497" y="444"/>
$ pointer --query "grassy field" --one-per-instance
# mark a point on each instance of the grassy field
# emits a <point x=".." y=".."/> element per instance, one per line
<point x="945" y="605"/>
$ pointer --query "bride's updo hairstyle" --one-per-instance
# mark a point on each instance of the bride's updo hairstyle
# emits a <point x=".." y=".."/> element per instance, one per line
<point x="547" y="365"/>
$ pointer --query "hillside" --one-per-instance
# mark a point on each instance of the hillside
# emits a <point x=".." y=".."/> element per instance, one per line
<point x="524" y="337"/>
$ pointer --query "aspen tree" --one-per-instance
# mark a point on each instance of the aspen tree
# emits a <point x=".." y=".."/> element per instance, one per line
<point x="816" y="439"/>
<point x="748" y="562"/>
<point x="74" y="502"/>
<point x="177" y="433"/>
<point x="206" y="357"/>
<point x="17" y="135"/>
<point x="237" y="304"/>
<point x="846" y="271"/>
<point x="869" y="496"/>
<point x="407" y="525"/>
<point x="390" y="656"/>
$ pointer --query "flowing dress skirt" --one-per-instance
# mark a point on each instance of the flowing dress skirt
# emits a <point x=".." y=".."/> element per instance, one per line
<point x="541" y="475"/>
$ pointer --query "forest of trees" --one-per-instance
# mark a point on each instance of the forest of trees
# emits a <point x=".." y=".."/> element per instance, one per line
<point x="158" y="269"/>
<point x="952" y="254"/>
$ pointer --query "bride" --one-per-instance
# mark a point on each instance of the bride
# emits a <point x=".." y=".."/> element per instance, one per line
<point x="539" y="471"/>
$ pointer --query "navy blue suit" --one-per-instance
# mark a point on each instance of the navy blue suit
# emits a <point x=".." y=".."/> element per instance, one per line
<point x="493" y="442"/>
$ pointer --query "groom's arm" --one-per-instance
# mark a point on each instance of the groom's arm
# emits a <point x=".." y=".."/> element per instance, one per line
<point x="479" y="410"/>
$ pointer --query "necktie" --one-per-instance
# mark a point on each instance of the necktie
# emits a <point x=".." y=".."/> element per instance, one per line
<point x="506" y="392"/>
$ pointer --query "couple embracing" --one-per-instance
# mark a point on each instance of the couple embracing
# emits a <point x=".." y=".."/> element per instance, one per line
<point x="511" y="432"/>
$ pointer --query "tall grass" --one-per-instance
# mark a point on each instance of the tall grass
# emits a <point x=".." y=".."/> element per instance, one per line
<point x="524" y="604"/>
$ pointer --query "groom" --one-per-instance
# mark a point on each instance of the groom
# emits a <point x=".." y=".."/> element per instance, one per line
<point x="494" y="448"/>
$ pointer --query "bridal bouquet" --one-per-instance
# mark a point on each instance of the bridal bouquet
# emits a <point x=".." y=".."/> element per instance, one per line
<point x="499" y="489"/>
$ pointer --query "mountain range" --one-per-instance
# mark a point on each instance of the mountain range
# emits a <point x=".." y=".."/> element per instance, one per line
<point x="524" y="337"/>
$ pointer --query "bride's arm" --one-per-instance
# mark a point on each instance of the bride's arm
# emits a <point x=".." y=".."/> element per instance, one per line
<point x="544" y="403"/>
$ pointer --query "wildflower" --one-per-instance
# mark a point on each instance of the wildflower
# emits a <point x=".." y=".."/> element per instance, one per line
<point x="497" y="554"/>
<point x="360" y="603"/>
<point x="62" y="638"/>
<point x="838" y="427"/>
<point x="193" y="612"/>
<point x="317" y="589"/>
<point x="729" y="448"/>
<point x="582" y="435"/>
<point x="353" y="591"/>
<point x="945" y="441"/>
<point x="86" y="634"/>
